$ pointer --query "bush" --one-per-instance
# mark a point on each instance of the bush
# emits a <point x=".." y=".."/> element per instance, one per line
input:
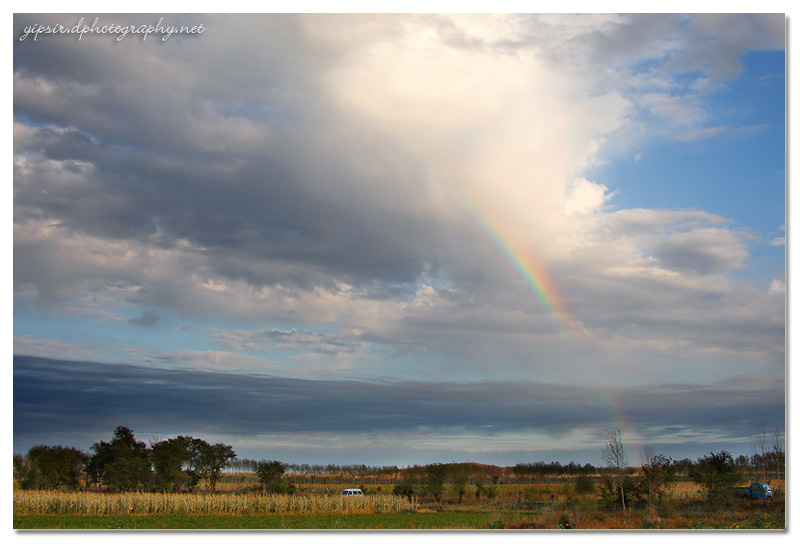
<point x="610" y="494"/>
<point x="405" y="489"/>
<point x="490" y="492"/>
<point x="584" y="485"/>
<point x="717" y="473"/>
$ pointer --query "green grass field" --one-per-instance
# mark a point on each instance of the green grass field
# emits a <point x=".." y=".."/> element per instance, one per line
<point x="400" y="520"/>
<point x="530" y="506"/>
<point x="740" y="517"/>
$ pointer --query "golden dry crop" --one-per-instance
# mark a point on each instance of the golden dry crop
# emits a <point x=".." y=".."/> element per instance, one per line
<point x="682" y="491"/>
<point x="58" y="502"/>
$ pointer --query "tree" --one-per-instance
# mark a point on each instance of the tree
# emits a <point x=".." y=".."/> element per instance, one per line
<point x="683" y="467"/>
<point x="460" y="476"/>
<point x="614" y="458"/>
<point x="212" y="459"/>
<point x="480" y="487"/>
<point x="193" y="465"/>
<point x="52" y="467"/>
<point x="127" y="473"/>
<point x="743" y="461"/>
<point x="523" y="471"/>
<point x="717" y="473"/>
<point x="761" y="450"/>
<point x="657" y="473"/>
<point x="182" y="460"/>
<point x="435" y="475"/>
<point x="122" y="464"/>
<point x="169" y="457"/>
<point x="778" y="452"/>
<point x="20" y="465"/>
<point x="270" y="474"/>
<point x="408" y="486"/>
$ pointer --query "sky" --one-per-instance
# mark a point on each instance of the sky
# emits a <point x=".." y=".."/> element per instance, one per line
<point x="401" y="239"/>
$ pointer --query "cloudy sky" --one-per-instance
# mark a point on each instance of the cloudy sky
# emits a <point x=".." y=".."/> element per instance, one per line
<point x="400" y="239"/>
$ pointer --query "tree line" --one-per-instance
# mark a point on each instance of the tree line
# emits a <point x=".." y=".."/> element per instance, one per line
<point x="126" y="464"/>
<point x="249" y="465"/>
<point x="717" y="472"/>
<point x="181" y="463"/>
<point x="542" y="470"/>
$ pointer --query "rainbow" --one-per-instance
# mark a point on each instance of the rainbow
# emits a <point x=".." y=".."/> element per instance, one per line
<point x="617" y="416"/>
<point x="516" y="253"/>
<point x="518" y="257"/>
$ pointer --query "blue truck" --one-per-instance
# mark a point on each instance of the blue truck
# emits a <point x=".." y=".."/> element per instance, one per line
<point x="757" y="490"/>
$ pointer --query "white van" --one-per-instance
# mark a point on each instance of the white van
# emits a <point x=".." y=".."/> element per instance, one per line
<point x="352" y="493"/>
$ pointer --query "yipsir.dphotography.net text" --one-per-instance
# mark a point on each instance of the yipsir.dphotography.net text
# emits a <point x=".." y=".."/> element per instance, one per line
<point x="80" y="29"/>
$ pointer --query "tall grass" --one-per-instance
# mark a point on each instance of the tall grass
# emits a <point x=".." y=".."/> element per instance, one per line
<point x="684" y="491"/>
<point x="59" y="502"/>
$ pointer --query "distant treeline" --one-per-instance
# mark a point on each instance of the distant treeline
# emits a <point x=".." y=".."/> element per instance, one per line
<point x="183" y="462"/>
<point x="249" y="465"/>
<point x="538" y="469"/>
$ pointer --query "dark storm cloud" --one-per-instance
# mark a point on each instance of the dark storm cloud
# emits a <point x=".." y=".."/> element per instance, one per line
<point x="168" y="145"/>
<point x="60" y="397"/>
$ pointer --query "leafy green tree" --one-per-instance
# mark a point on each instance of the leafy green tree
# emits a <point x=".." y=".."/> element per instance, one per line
<point x="460" y="477"/>
<point x="743" y="462"/>
<point x="212" y="459"/>
<point x="270" y="474"/>
<point x="194" y="462"/>
<point x="169" y="457"/>
<point x="657" y="472"/>
<point x="407" y="488"/>
<point x="611" y="490"/>
<point x="717" y="473"/>
<point x="184" y="460"/>
<point x="480" y="487"/>
<point x="52" y="467"/>
<point x="19" y="467"/>
<point x="121" y="464"/>
<point x="127" y="473"/>
<point x="435" y="476"/>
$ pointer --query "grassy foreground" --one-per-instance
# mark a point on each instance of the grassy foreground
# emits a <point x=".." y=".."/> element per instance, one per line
<point x="689" y="516"/>
<point x="398" y="520"/>
<point x="531" y="506"/>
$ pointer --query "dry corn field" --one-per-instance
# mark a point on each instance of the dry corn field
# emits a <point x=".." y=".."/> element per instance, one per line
<point x="57" y="502"/>
<point x="682" y="491"/>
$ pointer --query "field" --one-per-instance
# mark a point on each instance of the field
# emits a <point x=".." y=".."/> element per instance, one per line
<point x="513" y="506"/>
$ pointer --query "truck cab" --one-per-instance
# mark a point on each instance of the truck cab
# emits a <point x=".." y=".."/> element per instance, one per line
<point x="760" y="490"/>
<point x="756" y="490"/>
